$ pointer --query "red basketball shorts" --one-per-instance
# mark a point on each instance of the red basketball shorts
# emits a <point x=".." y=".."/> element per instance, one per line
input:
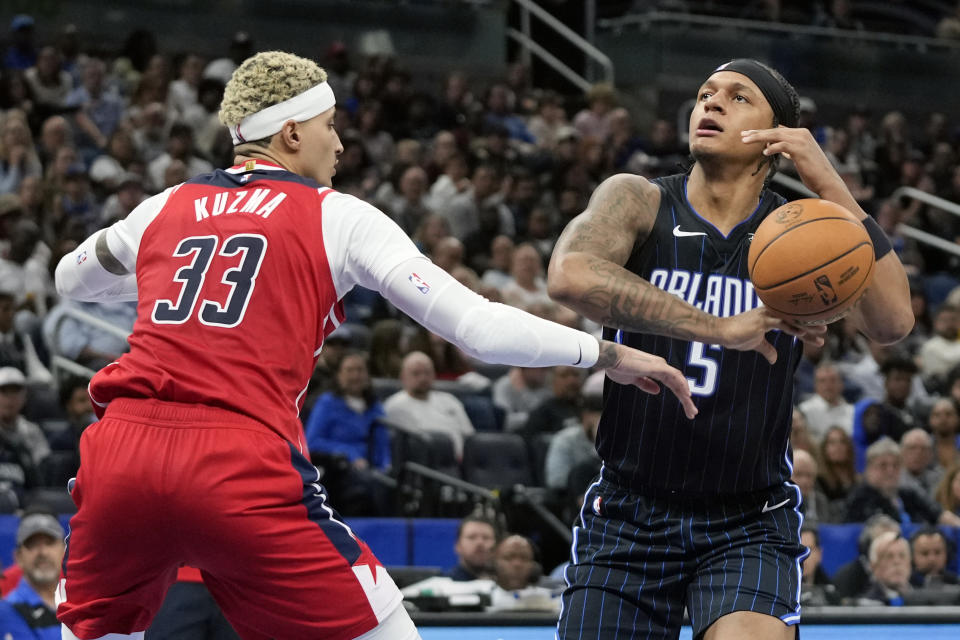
<point x="163" y="485"/>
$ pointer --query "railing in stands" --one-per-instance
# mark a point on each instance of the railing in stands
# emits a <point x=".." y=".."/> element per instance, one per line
<point x="644" y="20"/>
<point x="59" y="362"/>
<point x="530" y="46"/>
<point x="907" y="231"/>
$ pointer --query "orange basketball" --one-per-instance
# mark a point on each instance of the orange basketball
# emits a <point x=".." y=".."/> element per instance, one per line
<point x="810" y="261"/>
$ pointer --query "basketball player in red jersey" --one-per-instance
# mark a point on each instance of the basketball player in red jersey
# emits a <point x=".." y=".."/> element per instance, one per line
<point x="198" y="458"/>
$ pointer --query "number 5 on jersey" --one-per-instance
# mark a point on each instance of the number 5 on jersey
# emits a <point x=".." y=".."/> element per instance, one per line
<point x="696" y="358"/>
<point x="241" y="279"/>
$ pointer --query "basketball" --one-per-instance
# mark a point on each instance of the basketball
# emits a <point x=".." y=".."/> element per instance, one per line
<point x="810" y="261"/>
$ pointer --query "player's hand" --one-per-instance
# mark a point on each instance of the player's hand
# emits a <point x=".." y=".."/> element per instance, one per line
<point x="799" y="146"/>
<point x="643" y="370"/>
<point x="748" y="331"/>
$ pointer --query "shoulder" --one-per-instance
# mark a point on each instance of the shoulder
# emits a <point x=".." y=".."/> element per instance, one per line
<point x="631" y="184"/>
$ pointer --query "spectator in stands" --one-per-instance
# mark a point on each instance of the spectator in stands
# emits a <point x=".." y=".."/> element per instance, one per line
<point x="452" y="182"/>
<point x="827" y="407"/>
<point x="448" y="254"/>
<point x="500" y="111"/>
<point x="109" y="168"/>
<point x="78" y="411"/>
<point x="344" y="421"/>
<point x="853" y="578"/>
<point x="476" y="540"/>
<point x="800" y="439"/>
<point x="517" y="574"/>
<point x="129" y="194"/>
<point x="497" y="274"/>
<point x="89" y="345"/>
<point x="574" y="445"/>
<point x="941" y="352"/>
<point x="22" y="444"/>
<point x="99" y="108"/>
<point x="814" y="506"/>
<point x="18" y="159"/>
<point x="463" y="211"/>
<point x="386" y="348"/>
<point x="944" y="424"/>
<point x="519" y="392"/>
<point x="419" y="408"/>
<point x="179" y="147"/>
<point x="593" y="121"/>
<point x="549" y="119"/>
<point x="920" y="470"/>
<point x="48" y="82"/>
<point x="561" y="409"/>
<point x="11" y="342"/>
<point x="890" y="569"/>
<point x="948" y="493"/>
<point x="409" y="207"/>
<point x="837" y="475"/>
<point x="892" y="417"/>
<point x="29" y="612"/>
<point x="184" y="97"/>
<point x="930" y="551"/>
<point x="881" y="493"/>
<point x="816" y="590"/>
<point x="527" y="286"/>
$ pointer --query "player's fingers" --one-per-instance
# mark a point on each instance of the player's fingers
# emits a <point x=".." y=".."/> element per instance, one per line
<point x="776" y="147"/>
<point x="647" y="384"/>
<point x="761" y="135"/>
<point x="678" y="384"/>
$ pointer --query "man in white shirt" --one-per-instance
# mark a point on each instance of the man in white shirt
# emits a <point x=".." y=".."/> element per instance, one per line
<point x="941" y="351"/>
<point x="419" y="408"/>
<point x="827" y="407"/>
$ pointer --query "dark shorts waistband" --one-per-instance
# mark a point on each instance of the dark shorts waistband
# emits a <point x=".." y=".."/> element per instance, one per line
<point x="616" y="481"/>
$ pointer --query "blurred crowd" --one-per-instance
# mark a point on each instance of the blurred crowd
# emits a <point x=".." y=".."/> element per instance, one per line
<point x="928" y="18"/>
<point x="483" y="175"/>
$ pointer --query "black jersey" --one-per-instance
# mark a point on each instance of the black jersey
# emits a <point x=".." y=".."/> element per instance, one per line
<point x="738" y="441"/>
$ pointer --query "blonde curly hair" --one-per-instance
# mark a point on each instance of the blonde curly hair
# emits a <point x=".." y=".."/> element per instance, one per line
<point x="268" y="78"/>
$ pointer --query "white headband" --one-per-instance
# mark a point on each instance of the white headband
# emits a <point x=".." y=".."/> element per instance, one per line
<point x="269" y="121"/>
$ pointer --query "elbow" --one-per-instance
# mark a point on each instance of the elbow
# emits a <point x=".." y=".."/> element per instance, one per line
<point x="561" y="283"/>
<point x="893" y="329"/>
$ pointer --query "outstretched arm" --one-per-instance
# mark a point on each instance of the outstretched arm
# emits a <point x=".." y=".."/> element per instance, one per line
<point x="883" y="313"/>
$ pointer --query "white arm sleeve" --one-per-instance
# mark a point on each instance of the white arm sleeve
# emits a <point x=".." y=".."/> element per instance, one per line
<point x="81" y="276"/>
<point x="486" y="330"/>
<point x="84" y="275"/>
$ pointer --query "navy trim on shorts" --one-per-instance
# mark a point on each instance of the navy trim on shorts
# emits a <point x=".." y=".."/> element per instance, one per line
<point x="321" y="513"/>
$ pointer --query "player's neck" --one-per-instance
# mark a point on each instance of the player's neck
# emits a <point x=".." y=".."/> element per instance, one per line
<point x="724" y="194"/>
<point x="267" y="155"/>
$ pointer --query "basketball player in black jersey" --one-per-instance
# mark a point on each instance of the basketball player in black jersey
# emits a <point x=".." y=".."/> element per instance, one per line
<point x="700" y="514"/>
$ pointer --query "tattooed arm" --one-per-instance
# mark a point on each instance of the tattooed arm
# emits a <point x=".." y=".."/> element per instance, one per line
<point x="587" y="274"/>
<point x="586" y="271"/>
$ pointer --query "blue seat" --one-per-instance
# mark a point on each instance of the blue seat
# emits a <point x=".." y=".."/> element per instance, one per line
<point x="388" y="538"/>
<point x="839" y="544"/>
<point x="483" y="414"/>
<point x="433" y="540"/>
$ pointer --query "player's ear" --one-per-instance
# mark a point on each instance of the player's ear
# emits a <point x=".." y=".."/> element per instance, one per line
<point x="290" y="133"/>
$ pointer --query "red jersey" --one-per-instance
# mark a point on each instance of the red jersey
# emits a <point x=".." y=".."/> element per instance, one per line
<point x="238" y="287"/>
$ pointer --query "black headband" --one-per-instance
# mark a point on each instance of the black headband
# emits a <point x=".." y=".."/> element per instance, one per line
<point x="769" y="86"/>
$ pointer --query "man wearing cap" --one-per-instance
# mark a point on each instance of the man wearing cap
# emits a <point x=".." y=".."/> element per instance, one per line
<point x="29" y="612"/>
<point x="22" y="444"/>
<point x="239" y="276"/>
<point x="701" y="514"/>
